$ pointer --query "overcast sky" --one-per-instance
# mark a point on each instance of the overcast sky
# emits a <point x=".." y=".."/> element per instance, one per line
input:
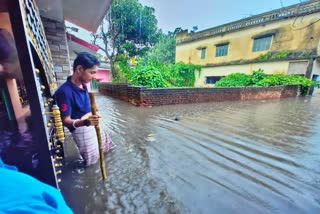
<point x="208" y="13"/>
<point x="203" y="13"/>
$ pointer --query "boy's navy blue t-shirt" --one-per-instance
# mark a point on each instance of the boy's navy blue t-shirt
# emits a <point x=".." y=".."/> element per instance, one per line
<point x="73" y="100"/>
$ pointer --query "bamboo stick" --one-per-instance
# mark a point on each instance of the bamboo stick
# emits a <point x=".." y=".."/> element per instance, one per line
<point x="97" y="127"/>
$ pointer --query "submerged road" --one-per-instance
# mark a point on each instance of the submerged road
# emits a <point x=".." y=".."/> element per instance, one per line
<point x="221" y="157"/>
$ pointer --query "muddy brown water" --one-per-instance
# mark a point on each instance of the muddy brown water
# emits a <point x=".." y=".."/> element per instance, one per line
<point x="220" y="157"/>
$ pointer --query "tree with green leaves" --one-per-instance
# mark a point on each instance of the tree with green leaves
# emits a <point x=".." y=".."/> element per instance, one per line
<point x="164" y="51"/>
<point x="128" y="28"/>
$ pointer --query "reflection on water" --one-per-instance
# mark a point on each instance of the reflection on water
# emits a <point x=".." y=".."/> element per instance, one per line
<point x="226" y="157"/>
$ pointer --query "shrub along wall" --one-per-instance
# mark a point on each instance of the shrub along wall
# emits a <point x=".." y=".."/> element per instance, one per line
<point x="143" y="96"/>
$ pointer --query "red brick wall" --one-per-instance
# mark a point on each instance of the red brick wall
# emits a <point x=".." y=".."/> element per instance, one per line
<point x="143" y="96"/>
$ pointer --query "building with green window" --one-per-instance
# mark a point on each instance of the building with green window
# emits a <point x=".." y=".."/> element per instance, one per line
<point x="285" y="40"/>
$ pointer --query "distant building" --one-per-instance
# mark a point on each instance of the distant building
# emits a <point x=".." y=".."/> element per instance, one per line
<point x="103" y="74"/>
<point x="284" y="41"/>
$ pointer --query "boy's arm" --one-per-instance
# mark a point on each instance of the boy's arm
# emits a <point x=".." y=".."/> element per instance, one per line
<point x="73" y="124"/>
<point x="64" y="102"/>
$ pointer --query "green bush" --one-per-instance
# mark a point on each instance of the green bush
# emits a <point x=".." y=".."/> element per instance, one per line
<point x="181" y="74"/>
<point x="282" y="79"/>
<point x="122" y="69"/>
<point x="235" y="79"/>
<point x="257" y="75"/>
<point x="258" y="78"/>
<point x="272" y="80"/>
<point x="305" y="83"/>
<point x="151" y="73"/>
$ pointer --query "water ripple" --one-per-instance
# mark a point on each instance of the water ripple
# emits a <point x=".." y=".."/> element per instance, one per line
<point x="204" y="158"/>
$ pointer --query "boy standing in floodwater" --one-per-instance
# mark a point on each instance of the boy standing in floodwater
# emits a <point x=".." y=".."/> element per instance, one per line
<point x="74" y="102"/>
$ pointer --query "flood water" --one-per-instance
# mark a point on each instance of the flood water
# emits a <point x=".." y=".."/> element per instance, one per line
<point x="220" y="157"/>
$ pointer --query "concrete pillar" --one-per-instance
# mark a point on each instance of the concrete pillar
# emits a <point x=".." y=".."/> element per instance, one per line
<point x="309" y="68"/>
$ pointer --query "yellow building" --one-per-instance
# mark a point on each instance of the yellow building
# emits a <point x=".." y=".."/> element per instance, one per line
<point x="285" y="41"/>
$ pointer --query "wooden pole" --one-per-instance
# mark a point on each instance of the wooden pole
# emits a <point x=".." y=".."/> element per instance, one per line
<point x="97" y="127"/>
